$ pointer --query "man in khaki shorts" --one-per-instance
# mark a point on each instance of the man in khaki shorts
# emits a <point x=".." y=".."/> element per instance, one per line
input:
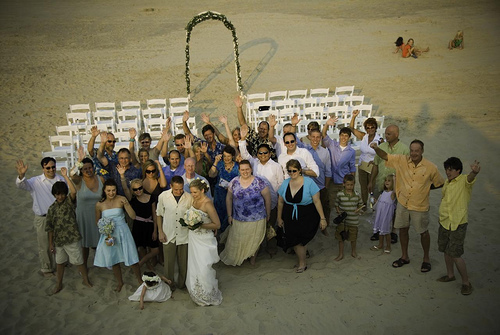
<point x="415" y="178"/>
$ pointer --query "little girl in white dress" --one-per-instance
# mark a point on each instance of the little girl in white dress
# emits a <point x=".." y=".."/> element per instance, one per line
<point x="153" y="288"/>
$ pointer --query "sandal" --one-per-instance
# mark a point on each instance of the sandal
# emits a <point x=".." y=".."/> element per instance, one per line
<point x="300" y="270"/>
<point x="426" y="267"/>
<point x="446" y="279"/>
<point x="375" y="248"/>
<point x="400" y="262"/>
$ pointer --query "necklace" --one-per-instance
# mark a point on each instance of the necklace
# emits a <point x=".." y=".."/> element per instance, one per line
<point x="230" y="167"/>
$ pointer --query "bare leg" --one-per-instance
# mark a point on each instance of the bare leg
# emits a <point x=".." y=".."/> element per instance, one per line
<point x="117" y="271"/>
<point x="425" y="240"/>
<point x="462" y="269"/>
<point x="341" y="251"/>
<point x="404" y="238"/>
<point x="387" y="242"/>
<point x="146" y="257"/>
<point x="353" y="249"/>
<point x="449" y="261"/>
<point x="380" y="241"/>
<point x="60" y="274"/>
<point x="85" y="275"/>
<point x="301" y="251"/>
<point x="254" y="257"/>
<point x="85" y="254"/>
<point x="137" y="272"/>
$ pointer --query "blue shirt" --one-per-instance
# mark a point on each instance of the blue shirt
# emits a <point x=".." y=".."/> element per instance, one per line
<point x="169" y="173"/>
<point x="131" y="173"/>
<point x="343" y="161"/>
<point x="219" y="147"/>
<point x="309" y="189"/>
<point x="97" y="164"/>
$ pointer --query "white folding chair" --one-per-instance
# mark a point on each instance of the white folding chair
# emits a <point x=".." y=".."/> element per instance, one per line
<point x="343" y="92"/>
<point x="364" y="110"/>
<point x="319" y="92"/>
<point x="105" y="117"/>
<point x="79" y="108"/>
<point x="105" y="107"/>
<point x="263" y="116"/>
<point x="67" y="130"/>
<point x="256" y="97"/>
<point x="130" y="105"/>
<point x="177" y="128"/>
<point x="297" y="94"/>
<point x="157" y="103"/>
<point x="129" y="118"/>
<point x="156" y="124"/>
<point x="339" y="111"/>
<point x="380" y="123"/>
<point x="177" y="111"/>
<point x="178" y="103"/>
<point x="329" y="101"/>
<point x="124" y="127"/>
<point x="277" y="95"/>
<point x="312" y="113"/>
<point x="354" y="100"/>
<point x="286" y="115"/>
<point x="79" y="119"/>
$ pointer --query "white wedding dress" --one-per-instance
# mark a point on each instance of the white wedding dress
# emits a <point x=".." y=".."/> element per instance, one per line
<point x="202" y="253"/>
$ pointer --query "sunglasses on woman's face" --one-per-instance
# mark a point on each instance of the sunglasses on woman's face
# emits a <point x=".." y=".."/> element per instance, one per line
<point x="137" y="189"/>
<point x="263" y="152"/>
<point x="151" y="171"/>
<point x="292" y="171"/>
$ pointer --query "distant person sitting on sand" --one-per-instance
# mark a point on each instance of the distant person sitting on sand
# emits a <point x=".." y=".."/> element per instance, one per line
<point x="410" y="51"/>
<point x="457" y="42"/>
<point x="154" y="288"/>
<point x="399" y="44"/>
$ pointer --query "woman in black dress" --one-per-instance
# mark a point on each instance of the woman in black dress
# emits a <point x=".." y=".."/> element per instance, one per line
<point x="300" y="210"/>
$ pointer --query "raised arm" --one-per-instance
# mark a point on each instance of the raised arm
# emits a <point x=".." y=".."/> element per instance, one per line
<point x="239" y="110"/>
<point x="212" y="173"/>
<point x="243" y="143"/>
<point x="229" y="139"/>
<point x="121" y="170"/>
<point x="21" y="169"/>
<point x="218" y="134"/>
<point x="330" y="122"/>
<point x="90" y="146"/>
<point x="359" y="134"/>
<point x="131" y="146"/>
<point x="185" y="118"/>
<point x="272" y="128"/>
<point x="161" y="143"/>
<point x="71" y="186"/>
<point x="165" y="137"/>
<point x="126" y="205"/>
<point x="100" y="151"/>
<point x="475" y="168"/>
<point x="381" y="153"/>
<point x="163" y="179"/>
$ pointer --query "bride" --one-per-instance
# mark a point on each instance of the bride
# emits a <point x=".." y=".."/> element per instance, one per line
<point x="202" y="249"/>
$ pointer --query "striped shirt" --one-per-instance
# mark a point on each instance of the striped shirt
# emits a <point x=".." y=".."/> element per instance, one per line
<point x="349" y="203"/>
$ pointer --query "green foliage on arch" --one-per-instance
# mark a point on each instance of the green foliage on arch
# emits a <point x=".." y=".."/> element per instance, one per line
<point x="208" y="15"/>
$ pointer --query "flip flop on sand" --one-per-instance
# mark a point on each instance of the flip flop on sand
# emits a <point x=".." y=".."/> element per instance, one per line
<point x="400" y="263"/>
<point x="300" y="270"/>
<point x="426" y="267"/>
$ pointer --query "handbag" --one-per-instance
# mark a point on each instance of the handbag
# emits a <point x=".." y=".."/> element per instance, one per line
<point x="281" y="238"/>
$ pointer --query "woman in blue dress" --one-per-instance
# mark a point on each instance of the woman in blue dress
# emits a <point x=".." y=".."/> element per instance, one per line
<point x="225" y="168"/>
<point x="113" y="206"/>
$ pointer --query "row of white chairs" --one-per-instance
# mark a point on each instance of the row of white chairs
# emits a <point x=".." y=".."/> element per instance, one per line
<point x="131" y="113"/>
<point x="300" y="94"/>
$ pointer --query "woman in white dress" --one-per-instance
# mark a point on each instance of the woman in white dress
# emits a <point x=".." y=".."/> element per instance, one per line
<point x="202" y="249"/>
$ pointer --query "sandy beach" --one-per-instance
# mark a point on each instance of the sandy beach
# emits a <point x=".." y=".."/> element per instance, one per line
<point x="67" y="52"/>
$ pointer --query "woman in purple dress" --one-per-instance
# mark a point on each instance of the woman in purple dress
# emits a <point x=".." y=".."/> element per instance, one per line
<point x="248" y="204"/>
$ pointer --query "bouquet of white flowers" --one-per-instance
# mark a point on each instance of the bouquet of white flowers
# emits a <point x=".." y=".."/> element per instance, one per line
<point x="192" y="219"/>
<point x="106" y="227"/>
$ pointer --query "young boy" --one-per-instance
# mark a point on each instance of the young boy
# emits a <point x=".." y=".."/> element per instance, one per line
<point x="350" y="202"/>
<point x="63" y="231"/>
<point x="453" y="218"/>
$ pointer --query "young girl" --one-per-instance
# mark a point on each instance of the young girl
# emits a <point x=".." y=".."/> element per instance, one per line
<point x="399" y="44"/>
<point x="457" y="42"/>
<point x="384" y="214"/>
<point x="154" y="288"/>
<point x="409" y="50"/>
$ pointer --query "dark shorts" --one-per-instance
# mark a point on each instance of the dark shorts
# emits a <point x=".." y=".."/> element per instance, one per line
<point x="452" y="242"/>
<point x="353" y="232"/>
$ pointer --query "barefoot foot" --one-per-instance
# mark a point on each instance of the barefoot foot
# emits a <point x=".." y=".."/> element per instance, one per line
<point x="119" y="287"/>
<point x="57" y="289"/>
<point x="339" y="258"/>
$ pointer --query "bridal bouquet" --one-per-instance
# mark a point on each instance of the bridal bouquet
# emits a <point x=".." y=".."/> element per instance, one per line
<point x="192" y="219"/>
<point x="106" y="227"/>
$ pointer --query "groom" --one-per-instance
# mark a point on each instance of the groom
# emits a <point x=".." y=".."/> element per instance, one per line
<point x="172" y="205"/>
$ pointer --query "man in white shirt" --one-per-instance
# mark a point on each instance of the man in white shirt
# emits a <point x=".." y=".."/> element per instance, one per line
<point x="172" y="205"/>
<point x="40" y="188"/>
<point x="309" y="166"/>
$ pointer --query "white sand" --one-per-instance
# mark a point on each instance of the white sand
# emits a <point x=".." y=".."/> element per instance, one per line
<point x="65" y="52"/>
